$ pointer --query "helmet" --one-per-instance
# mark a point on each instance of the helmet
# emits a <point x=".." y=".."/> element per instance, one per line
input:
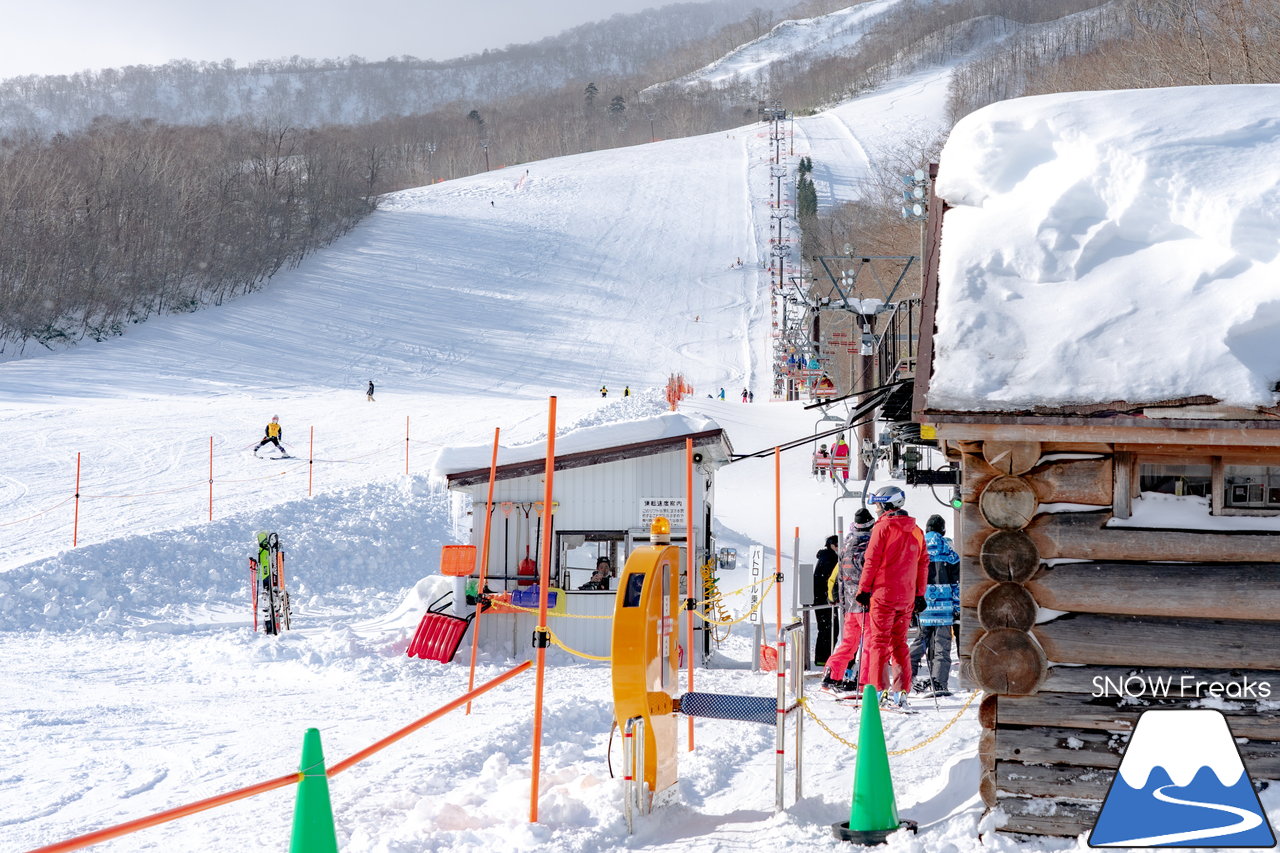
<point x="890" y="497"/>
<point x="275" y="417"/>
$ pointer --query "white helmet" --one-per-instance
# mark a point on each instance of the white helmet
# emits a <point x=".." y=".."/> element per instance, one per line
<point x="890" y="497"/>
<point x="275" y="417"/>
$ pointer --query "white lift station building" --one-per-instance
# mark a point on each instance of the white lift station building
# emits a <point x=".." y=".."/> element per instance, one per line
<point x="610" y="482"/>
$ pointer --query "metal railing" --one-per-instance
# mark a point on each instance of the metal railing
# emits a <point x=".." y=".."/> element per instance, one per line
<point x="899" y="341"/>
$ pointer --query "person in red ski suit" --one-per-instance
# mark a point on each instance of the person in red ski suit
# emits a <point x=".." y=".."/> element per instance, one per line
<point x="895" y="572"/>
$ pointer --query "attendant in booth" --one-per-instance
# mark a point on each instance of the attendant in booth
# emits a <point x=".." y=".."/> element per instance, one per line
<point x="600" y="577"/>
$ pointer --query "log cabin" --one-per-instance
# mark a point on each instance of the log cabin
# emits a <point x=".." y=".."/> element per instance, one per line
<point x="1120" y="549"/>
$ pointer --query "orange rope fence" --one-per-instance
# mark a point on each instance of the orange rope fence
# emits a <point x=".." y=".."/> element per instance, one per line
<point x="173" y="814"/>
<point x="208" y="481"/>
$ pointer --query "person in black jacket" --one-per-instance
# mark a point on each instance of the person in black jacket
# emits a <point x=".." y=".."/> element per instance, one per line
<point x="827" y="560"/>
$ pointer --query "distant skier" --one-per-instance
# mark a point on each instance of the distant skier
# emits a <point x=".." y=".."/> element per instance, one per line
<point x="273" y="435"/>
<point x="721" y="393"/>
<point x="744" y="394"/>
<point x="368" y="395"/>
<point x="604" y="391"/>
<point x="626" y="392"/>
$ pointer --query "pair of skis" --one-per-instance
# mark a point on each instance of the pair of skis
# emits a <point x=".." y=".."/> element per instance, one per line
<point x="266" y="579"/>
<point x="855" y="700"/>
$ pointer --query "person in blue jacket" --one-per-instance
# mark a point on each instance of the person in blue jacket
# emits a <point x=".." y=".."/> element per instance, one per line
<point x="942" y="611"/>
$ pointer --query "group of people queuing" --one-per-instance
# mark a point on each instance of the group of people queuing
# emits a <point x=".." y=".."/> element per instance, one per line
<point x="886" y="574"/>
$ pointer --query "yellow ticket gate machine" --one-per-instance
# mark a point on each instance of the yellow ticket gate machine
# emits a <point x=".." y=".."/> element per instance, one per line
<point x="646" y="666"/>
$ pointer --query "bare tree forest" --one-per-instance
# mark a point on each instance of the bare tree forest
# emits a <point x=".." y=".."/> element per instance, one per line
<point x="106" y="227"/>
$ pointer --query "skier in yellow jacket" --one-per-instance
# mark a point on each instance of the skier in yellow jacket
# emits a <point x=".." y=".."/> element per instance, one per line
<point x="273" y="435"/>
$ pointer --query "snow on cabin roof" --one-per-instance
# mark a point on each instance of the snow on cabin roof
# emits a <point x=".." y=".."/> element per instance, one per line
<point x="668" y="427"/>
<point x="1111" y="246"/>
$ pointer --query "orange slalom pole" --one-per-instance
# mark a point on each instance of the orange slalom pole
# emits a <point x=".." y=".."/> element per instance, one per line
<point x="484" y="564"/>
<point x="75" y="519"/>
<point x="689" y="552"/>
<point x="211" y="478"/>
<point x="540" y="638"/>
<point x="348" y="763"/>
<point x="311" y="460"/>
<point x="166" y="816"/>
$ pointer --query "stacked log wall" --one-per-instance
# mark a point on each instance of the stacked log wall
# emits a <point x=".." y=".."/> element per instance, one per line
<point x="1073" y="628"/>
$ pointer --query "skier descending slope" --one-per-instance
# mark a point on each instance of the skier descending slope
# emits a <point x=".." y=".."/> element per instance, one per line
<point x="273" y="434"/>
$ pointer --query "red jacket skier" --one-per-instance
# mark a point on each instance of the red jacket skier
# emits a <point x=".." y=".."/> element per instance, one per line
<point x="895" y="572"/>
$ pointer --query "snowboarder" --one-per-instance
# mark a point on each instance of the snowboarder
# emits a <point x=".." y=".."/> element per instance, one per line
<point x="842" y="590"/>
<point x="822" y="571"/>
<point x="894" y="574"/>
<point x="942" y="609"/>
<point x="273" y="434"/>
<point x="368" y="395"/>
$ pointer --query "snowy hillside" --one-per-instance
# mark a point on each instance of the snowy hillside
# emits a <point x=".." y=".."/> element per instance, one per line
<point x="130" y="678"/>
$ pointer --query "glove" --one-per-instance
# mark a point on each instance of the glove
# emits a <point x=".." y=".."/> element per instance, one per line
<point x="863" y="598"/>
<point x="920" y="604"/>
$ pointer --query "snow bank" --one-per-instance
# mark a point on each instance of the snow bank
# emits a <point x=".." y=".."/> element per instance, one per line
<point x="1108" y="246"/>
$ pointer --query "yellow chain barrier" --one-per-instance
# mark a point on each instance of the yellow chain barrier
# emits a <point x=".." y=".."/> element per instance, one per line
<point x="930" y="739"/>
<point x="764" y="594"/>
<point x="714" y="603"/>
<point x="556" y="642"/>
<point x="507" y="605"/>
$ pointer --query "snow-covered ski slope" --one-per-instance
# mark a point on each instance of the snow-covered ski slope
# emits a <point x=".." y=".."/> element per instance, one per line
<point x="130" y="681"/>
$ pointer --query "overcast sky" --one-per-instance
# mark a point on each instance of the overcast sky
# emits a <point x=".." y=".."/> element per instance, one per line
<point x="64" y="36"/>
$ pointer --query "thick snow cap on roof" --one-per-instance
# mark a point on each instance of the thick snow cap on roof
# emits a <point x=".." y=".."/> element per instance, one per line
<point x="454" y="460"/>
<point x="1111" y="246"/>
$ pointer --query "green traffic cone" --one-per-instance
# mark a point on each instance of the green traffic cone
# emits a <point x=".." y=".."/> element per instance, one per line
<point x="313" y="830"/>
<point x="873" y="814"/>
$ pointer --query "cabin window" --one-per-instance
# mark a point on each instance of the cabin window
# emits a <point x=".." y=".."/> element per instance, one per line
<point x="1180" y="480"/>
<point x="1224" y="485"/>
<point x="1251" y="487"/>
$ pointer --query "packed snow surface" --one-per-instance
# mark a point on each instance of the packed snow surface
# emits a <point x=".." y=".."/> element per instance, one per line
<point x="1111" y="246"/>
<point x="131" y="680"/>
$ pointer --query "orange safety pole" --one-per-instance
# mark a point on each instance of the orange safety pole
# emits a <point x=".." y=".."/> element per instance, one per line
<point x="348" y="763"/>
<point x="689" y="552"/>
<point x="75" y="520"/>
<point x="406" y="445"/>
<point x="311" y="460"/>
<point x="211" y="478"/>
<point x="484" y="563"/>
<point x="172" y="814"/>
<point x="540" y="638"/>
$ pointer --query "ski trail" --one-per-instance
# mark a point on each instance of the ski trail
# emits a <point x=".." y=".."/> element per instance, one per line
<point x="1248" y="820"/>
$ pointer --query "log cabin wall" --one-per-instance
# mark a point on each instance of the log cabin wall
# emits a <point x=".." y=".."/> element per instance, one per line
<point x="1073" y="628"/>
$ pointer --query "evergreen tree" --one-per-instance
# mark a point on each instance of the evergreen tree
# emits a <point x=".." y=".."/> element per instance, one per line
<point x="589" y="96"/>
<point x="617" y="105"/>
<point x="806" y="197"/>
